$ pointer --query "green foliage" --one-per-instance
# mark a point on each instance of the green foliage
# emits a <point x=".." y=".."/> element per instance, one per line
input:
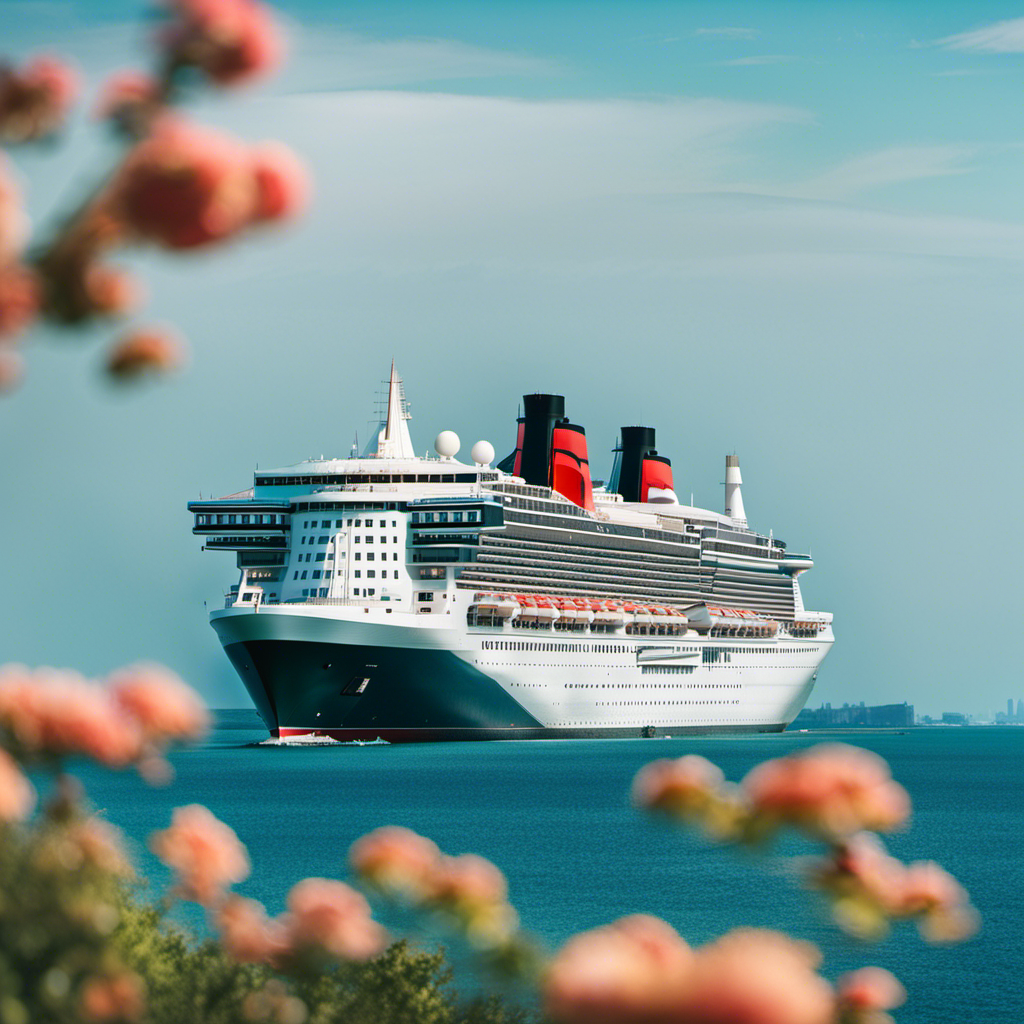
<point x="196" y="982"/>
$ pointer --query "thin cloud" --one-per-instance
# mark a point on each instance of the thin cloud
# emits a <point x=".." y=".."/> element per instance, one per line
<point x="891" y="166"/>
<point x="728" y="32"/>
<point x="757" y="60"/>
<point x="1000" y="37"/>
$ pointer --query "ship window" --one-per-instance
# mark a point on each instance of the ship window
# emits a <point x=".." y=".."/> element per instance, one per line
<point x="245" y="520"/>
<point x="426" y="595"/>
<point x="295" y="575"/>
<point x="383" y="540"/>
<point x="327" y="574"/>
<point x="369" y="556"/>
<point x="370" y="574"/>
<point x="382" y="523"/>
<point x="358" y="555"/>
<point x="325" y="523"/>
<point x="348" y="522"/>
<point x="471" y="517"/>
<point x="394" y="523"/>
<point x="396" y="574"/>
<point x="355" y="539"/>
<point x="442" y="517"/>
<point x="316" y="574"/>
<point x="358" y="573"/>
<point x="394" y="556"/>
<point x="320" y="556"/>
<point x="359" y="522"/>
<point x="355" y="686"/>
<point x="456" y="517"/>
<point x="322" y="540"/>
<point x="371" y="591"/>
<point x="303" y="576"/>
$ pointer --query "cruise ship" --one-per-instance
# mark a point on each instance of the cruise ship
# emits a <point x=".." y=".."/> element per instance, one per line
<point x="403" y="598"/>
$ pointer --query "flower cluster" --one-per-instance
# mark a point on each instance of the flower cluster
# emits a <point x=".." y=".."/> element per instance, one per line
<point x="833" y="793"/>
<point x="184" y="186"/>
<point x="865" y="995"/>
<point x="868" y="888"/>
<point x="177" y="185"/>
<point x="638" y="970"/>
<point x="229" y="41"/>
<point x="51" y="714"/>
<point x="468" y="891"/>
<point x="325" y="919"/>
<point x="35" y="99"/>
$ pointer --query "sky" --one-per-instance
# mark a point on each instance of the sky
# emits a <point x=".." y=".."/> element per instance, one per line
<point x="793" y="231"/>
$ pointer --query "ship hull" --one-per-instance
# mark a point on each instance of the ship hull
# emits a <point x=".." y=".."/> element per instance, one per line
<point x="353" y="679"/>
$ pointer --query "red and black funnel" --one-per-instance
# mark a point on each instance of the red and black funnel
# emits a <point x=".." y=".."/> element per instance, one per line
<point x="638" y="466"/>
<point x="570" y="467"/>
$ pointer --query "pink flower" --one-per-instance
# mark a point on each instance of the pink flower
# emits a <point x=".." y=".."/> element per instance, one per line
<point x="870" y="988"/>
<point x="633" y="970"/>
<point x="130" y="99"/>
<point x="396" y="860"/>
<point x="35" y="99"/>
<point x="756" y="977"/>
<point x="58" y="713"/>
<point x="247" y="934"/>
<point x="184" y="186"/>
<point x="17" y="797"/>
<point x="204" y="852"/>
<point x="282" y="185"/>
<point x="468" y="882"/>
<point x="332" y="917"/>
<point x="164" y="707"/>
<point x="12" y="369"/>
<point x="99" y="844"/>
<point x="145" y="350"/>
<point x="113" y="997"/>
<point x="13" y="222"/>
<point x="19" y="299"/>
<point x="933" y="895"/>
<point x="678" y="786"/>
<point x="831" y="790"/>
<point x="109" y="291"/>
<point x="230" y="40"/>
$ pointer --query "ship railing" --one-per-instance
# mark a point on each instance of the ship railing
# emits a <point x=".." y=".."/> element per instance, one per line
<point x="351" y="601"/>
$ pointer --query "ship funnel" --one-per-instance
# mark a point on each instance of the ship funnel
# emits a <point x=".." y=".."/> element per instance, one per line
<point x="639" y="473"/>
<point x="532" y="458"/>
<point x="570" y="465"/>
<point x="733" y="494"/>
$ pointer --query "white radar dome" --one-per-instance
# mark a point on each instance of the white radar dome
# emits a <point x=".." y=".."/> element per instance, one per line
<point x="482" y="453"/>
<point x="447" y="444"/>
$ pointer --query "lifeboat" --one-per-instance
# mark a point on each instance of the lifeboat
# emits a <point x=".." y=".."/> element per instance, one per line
<point x="504" y="606"/>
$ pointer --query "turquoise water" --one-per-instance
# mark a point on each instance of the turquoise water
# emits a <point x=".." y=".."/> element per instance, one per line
<point x="555" y="817"/>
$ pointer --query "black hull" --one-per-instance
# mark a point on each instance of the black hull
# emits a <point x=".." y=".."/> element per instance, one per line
<point x="411" y="696"/>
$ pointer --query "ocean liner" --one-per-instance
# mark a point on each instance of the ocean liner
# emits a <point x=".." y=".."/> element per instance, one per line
<point x="410" y="598"/>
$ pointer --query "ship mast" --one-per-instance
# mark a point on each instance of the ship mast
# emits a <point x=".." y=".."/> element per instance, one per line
<point x="394" y="442"/>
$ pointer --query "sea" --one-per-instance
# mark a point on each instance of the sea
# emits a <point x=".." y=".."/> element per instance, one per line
<point x="555" y="816"/>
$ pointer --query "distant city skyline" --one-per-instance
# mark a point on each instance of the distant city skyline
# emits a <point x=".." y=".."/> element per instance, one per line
<point x="790" y="231"/>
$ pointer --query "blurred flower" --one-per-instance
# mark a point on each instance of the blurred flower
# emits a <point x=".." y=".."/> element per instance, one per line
<point x="99" y="845"/>
<point x="109" y="291"/>
<point x="691" y="788"/>
<point x="184" y="186"/>
<point x="35" y="99"/>
<point x="113" y="997"/>
<point x="282" y="185"/>
<point x="633" y="970"/>
<point x="164" y="707"/>
<point x="19" y="299"/>
<point x="13" y="222"/>
<point x="750" y="976"/>
<point x="130" y="100"/>
<point x="864" y="994"/>
<point x="396" y="860"/>
<point x="12" y="369"/>
<point x="231" y="41"/>
<point x="474" y="891"/>
<point x="274" y="1004"/>
<point x="332" y="917"/>
<point x="868" y="888"/>
<point x="831" y="791"/>
<point x="145" y="350"/>
<point x="204" y="852"/>
<point x="939" y="901"/>
<point x="247" y="934"/>
<point x="17" y="797"/>
<point x="56" y="713"/>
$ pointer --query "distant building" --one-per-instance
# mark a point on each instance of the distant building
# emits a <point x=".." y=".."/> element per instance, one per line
<point x="880" y="716"/>
<point x="1020" y="711"/>
<point x="1009" y="710"/>
<point x="955" y="718"/>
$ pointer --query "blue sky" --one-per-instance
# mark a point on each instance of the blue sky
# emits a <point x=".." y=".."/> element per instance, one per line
<point x="794" y="231"/>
